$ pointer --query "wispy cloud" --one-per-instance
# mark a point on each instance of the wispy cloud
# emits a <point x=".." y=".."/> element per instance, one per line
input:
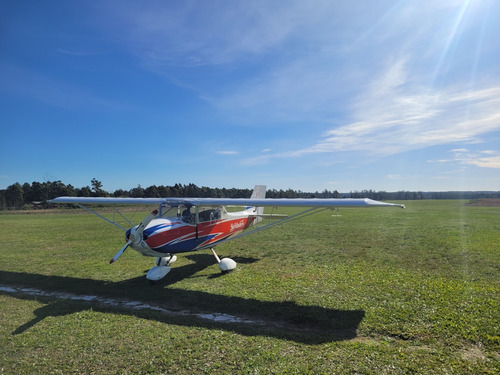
<point x="486" y="162"/>
<point x="313" y="83"/>
<point x="199" y="33"/>
<point x="385" y="87"/>
<point x="483" y="159"/>
<point x="228" y="152"/>
<point x="394" y="116"/>
<point x="82" y="52"/>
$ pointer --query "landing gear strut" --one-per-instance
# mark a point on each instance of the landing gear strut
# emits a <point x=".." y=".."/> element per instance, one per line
<point x="226" y="264"/>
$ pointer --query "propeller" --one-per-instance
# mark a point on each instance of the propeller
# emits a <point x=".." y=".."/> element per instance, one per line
<point x="118" y="254"/>
<point x="135" y="234"/>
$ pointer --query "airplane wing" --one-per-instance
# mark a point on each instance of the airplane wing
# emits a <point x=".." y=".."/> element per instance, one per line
<point x="285" y="202"/>
<point x="291" y="202"/>
<point x="269" y="202"/>
<point x="107" y="200"/>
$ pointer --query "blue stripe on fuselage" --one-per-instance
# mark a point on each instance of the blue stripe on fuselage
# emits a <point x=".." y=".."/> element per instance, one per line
<point x="188" y="245"/>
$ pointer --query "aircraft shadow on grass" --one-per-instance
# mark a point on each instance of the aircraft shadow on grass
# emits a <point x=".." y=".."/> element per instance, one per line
<point x="281" y="319"/>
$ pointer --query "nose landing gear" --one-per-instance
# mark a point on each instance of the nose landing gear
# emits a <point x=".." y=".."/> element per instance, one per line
<point x="161" y="269"/>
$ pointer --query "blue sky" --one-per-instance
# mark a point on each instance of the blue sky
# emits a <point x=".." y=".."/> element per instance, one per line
<point x="308" y="95"/>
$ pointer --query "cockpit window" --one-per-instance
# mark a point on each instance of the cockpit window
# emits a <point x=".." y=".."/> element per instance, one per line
<point x="169" y="211"/>
<point x="209" y="214"/>
<point x="188" y="213"/>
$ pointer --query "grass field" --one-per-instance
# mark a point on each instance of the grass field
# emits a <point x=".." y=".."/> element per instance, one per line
<point x="375" y="291"/>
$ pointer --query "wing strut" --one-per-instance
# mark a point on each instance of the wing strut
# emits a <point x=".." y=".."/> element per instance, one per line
<point x="300" y="215"/>
<point x="105" y="218"/>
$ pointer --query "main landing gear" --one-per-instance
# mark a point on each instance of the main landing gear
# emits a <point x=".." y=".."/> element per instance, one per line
<point x="226" y="265"/>
<point x="162" y="267"/>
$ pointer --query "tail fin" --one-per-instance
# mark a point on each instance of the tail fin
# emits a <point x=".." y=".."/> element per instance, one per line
<point x="259" y="192"/>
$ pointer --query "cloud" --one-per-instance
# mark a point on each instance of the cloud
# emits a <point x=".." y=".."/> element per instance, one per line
<point x="82" y="52"/>
<point x="283" y="61"/>
<point x="482" y="159"/>
<point x="228" y="152"/>
<point x="259" y="160"/>
<point x="385" y="86"/>
<point x="200" y="33"/>
<point x="394" y="177"/>
<point x="395" y="116"/>
<point x="407" y="48"/>
<point x="485" y="162"/>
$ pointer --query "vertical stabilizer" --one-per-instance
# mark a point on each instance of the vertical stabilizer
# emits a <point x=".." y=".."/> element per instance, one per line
<point x="259" y="192"/>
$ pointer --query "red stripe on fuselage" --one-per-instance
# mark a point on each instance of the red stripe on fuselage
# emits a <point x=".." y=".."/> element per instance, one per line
<point x="219" y="229"/>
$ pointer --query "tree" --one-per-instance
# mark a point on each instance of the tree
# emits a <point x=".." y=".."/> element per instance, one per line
<point x="121" y="193"/>
<point x="84" y="192"/>
<point x="14" y="196"/>
<point x="137" y="192"/>
<point x="164" y="191"/>
<point x="3" y="203"/>
<point x="38" y="192"/>
<point x="151" y="192"/>
<point x="27" y="196"/>
<point x="58" y="189"/>
<point x="97" y="188"/>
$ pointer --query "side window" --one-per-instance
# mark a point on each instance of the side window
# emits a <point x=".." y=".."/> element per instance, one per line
<point x="188" y="215"/>
<point x="209" y="215"/>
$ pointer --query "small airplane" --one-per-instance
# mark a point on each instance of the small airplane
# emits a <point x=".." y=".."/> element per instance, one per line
<point x="182" y="225"/>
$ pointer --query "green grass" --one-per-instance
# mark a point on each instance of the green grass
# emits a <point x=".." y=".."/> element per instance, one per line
<point x="373" y="291"/>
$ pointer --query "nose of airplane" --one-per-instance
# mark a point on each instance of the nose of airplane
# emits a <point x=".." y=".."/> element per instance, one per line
<point x="134" y="235"/>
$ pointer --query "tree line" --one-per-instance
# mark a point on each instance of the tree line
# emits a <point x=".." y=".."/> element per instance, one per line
<point x="36" y="194"/>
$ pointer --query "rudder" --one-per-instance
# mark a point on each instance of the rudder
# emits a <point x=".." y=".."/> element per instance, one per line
<point x="259" y="192"/>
